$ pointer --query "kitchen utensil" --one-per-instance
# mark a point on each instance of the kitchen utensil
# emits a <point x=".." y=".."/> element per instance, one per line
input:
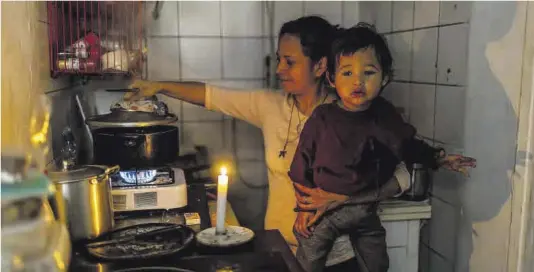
<point x="129" y="119"/>
<point x="173" y="240"/>
<point x="234" y="236"/>
<point x="122" y="90"/>
<point x="150" y="105"/>
<point x="137" y="237"/>
<point x="69" y="151"/>
<point x="87" y="193"/>
<point x="142" y="113"/>
<point x="139" y="147"/>
<point x="419" y="183"/>
<point x="88" y="146"/>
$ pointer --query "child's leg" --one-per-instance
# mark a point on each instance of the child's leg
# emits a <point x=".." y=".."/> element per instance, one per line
<point x="369" y="243"/>
<point x="312" y="251"/>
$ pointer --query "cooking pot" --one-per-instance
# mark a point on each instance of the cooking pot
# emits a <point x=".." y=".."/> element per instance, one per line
<point x="135" y="147"/>
<point x="419" y="183"/>
<point x="87" y="193"/>
<point x="135" y="135"/>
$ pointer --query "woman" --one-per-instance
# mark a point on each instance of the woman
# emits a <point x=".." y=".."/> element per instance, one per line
<point x="303" y="47"/>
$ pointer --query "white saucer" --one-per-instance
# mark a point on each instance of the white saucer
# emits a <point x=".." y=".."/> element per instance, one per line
<point x="234" y="236"/>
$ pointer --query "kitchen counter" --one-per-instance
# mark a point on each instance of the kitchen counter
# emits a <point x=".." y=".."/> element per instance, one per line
<point x="402" y="220"/>
<point x="267" y="251"/>
<point x="395" y="210"/>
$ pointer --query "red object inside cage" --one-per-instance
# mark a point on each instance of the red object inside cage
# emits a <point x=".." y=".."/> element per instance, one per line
<point x="96" y="37"/>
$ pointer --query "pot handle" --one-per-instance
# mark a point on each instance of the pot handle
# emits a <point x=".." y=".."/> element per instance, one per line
<point x="108" y="171"/>
<point x="112" y="170"/>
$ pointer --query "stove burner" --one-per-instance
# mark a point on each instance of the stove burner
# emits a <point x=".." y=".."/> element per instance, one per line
<point x="142" y="177"/>
<point x="138" y="177"/>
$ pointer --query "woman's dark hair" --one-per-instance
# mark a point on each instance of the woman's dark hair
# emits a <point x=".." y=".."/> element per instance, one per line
<point x="316" y="35"/>
<point x="359" y="37"/>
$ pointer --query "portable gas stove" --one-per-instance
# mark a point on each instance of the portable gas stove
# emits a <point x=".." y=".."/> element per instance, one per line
<point x="158" y="188"/>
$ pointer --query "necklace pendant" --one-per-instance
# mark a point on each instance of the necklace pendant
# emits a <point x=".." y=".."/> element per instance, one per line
<point x="282" y="154"/>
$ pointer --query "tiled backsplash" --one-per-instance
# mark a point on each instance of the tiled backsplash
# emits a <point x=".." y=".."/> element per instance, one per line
<point x="429" y="44"/>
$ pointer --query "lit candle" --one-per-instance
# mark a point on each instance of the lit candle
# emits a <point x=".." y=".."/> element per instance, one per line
<point x="222" y="191"/>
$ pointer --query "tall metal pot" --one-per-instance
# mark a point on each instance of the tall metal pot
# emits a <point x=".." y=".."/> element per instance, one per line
<point x="88" y="203"/>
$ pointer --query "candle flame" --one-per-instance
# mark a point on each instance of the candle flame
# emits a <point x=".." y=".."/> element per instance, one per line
<point x="223" y="171"/>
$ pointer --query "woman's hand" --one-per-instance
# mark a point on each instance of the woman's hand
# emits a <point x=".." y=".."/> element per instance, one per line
<point x="458" y="163"/>
<point x="317" y="199"/>
<point x="301" y="224"/>
<point x="145" y="89"/>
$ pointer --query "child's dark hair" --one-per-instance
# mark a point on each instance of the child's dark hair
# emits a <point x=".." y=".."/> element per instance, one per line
<point x="359" y="37"/>
<point x="316" y="35"/>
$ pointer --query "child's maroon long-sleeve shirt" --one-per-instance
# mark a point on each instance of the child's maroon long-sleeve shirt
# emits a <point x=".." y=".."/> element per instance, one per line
<point x="351" y="152"/>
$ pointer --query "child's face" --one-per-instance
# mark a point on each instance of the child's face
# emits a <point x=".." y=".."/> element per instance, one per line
<point x="358" y="79"/>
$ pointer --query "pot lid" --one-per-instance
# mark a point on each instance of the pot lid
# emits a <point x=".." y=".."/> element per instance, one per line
<point x="121" y="118"/>
<point x="76" y="173"/>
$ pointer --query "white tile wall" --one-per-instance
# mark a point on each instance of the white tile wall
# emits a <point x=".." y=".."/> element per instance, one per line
<point x="163" y="58"/>
<point x="452" y="54"/>
<point x="167" y="23"/>
<point x="424" y="258"/>
<point x="446" y="185"/>
<point x="401" y="46"/>
<point x="242" y="18"/>
<point x="439" y="264"/>
<point x="454" y="12"/>
<point x="330" y="10"/>
<point x="424" y="52"/>
<point x="201" y="58"/>
<point x="286" y="11"/>
<point x="351" y="13"/>
<point x="200" y="18"/>
<point x="399" y="95"/>
<point x="243" y="58"/>
<point x="209" y="134"/>
<point x="450" y="115"/>
<point x="426" y="13"/>
<point x="443" y="228"/>
<point x="425" y="233"/>
<point x="378" y="13"/>
<point x="239" y="84"/>
<point x="403" y="15"/>
<point x="193" y="113"/>
<point x="421" y="104"/>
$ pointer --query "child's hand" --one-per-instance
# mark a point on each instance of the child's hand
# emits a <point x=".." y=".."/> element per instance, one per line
<point x="301" y="224"/>
<point x="458" y="163"/>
